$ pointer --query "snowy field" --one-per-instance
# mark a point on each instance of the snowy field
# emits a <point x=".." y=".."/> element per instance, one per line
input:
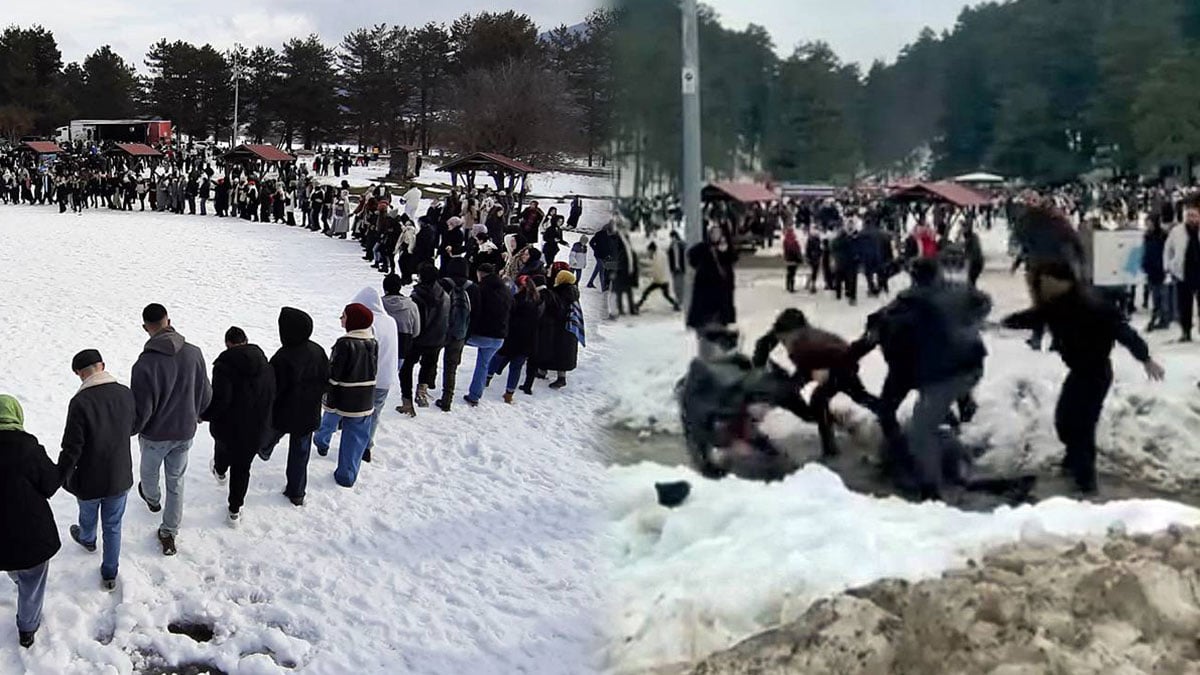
<point x="470" y="545"/>
<point x="785" y="545"/>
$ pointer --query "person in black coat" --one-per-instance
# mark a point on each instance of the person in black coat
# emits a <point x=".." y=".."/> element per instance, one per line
<point x="564" y="350"/>
<point x="552" y="238"/>
<point x="95" y="463"/>
<point x="426" y="243"/>
<point x="521" y="343"/>
<point x="301" y="371"/>
<point x="1155" y="241"/>
<point x="712" y="289"/>
<point x="28" y="535"/>
<point x="495" y="226"/>
<point x="239" y="415"/>
<point x="602" y="249"/>
<point x="846" y="251"/>
<point x="491" y="304"/>
<point x="1085" y="329"/>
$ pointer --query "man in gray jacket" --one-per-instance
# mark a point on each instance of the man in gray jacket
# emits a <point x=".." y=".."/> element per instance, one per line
<point x="170" y="389"/>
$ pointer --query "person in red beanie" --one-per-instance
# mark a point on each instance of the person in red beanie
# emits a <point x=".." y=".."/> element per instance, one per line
<point x="350" y="402"/>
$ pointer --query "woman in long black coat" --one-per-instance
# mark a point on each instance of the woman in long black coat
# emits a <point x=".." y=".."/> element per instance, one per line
<point x="564" y="352"/>
<point x="712" y="290"/>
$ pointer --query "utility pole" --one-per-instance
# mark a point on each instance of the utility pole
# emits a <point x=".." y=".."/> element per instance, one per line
<point x="237" y="79"/>
<point x="693" y="225"/>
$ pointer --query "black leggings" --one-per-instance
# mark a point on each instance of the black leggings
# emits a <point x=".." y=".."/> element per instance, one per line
<point x="1079" y="406"/>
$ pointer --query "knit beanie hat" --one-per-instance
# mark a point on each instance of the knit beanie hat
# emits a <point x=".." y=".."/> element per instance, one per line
<point x="564" y="277"/>
<point x="358" y="317"/>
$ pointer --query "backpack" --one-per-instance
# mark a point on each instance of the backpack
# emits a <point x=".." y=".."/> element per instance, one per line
<point x="460" y="312"/>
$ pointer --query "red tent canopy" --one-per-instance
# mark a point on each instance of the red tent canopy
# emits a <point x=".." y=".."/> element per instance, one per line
<point x="745" y="193"/>
<point x="43" y="147"/>
<point x="952" y="193"/>
<point x="135" y="150"/>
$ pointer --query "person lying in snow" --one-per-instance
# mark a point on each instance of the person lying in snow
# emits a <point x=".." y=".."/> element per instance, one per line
<point x="1085" y="329"/>
<point x="817" y="355"/>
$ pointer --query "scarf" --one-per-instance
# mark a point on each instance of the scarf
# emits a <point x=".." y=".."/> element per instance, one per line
<point x="12" y="418"/>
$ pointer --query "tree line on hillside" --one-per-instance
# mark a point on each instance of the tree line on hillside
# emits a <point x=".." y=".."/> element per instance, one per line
<point x="1040" y="89"/>
<point x="488" y="81"/>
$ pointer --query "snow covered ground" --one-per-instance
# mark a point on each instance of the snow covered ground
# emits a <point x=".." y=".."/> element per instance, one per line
<point x="470" y="545"/>
<point x="739" y="556"/>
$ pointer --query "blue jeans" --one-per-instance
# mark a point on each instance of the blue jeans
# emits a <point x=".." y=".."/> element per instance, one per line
<point x="514" y="365"/>
<point x="380" y="399"/>
<point x="299" y="449"/>
<point x="31" y="593"/>
<point x="356" y="431"/>
<point x="1162" y="298"/>
<point x="111" y="510"/>
<point x="172" y="457"/>
<point x="487" y="347"/>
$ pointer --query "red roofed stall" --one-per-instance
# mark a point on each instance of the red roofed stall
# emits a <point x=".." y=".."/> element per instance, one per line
<point x="505" y="171"/>
<point x="742" y="193"/>
<point x="133" y="150"/>
<point x="41" y="147"/>
<point x="942" y="192"/>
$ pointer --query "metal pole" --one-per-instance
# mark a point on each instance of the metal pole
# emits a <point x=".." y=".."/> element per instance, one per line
<point x="691" y="174"/>
<point x="237" y="79"/>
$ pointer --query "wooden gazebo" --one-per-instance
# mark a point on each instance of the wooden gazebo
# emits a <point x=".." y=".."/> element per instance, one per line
<point x="250" y="153"/>
<point x="505" y="172"/>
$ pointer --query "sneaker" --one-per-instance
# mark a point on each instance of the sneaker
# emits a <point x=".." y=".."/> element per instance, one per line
<point x="559" y="383"/>
<point x="265" y="454"/>
<point x="296" y="501"/>
<point x="528" y="391"/>
<point x="154" y="507"/>
<point x="108" y="585"/>
<point x="26" y="639"/>
<point x="235" y="519"/>
<point x="322" y="451"/>
<point x="90" y="547"/>
<point x="367" y="455"/>
<point x="168" y="543"/>
<point x="471" y="402"/>
<point x="212" y="466"/>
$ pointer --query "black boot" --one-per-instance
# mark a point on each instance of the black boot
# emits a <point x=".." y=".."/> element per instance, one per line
<point x="26" y="639"/>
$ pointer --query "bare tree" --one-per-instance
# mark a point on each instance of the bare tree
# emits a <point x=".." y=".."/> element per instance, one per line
<point x="518" y="109"/>
<point x="15" y="122"/>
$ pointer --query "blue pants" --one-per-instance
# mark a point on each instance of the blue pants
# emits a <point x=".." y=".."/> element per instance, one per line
<point x="356" y="431"/>
<point x="380" y="399"/>
<point x="31" y="593"/>
<point x="111" y="510"/>
<point x="514" y="365"/>
<point x="172" y="456"/>
<point x="487" y="347"/>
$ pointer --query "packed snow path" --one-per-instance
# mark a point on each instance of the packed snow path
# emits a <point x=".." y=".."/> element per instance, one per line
<point x="468" y="545"/>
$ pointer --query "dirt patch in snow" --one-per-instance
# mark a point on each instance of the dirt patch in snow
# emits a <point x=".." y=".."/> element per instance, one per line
<point x="1123" y="605"/>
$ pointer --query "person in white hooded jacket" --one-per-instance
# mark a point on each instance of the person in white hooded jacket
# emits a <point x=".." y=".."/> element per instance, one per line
<point x="386" y="334"/>
<point x="1181" y="260"/>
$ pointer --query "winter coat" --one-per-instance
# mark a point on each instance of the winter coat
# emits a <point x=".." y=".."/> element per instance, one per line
<point x="426" y="243"/>
<point x="578" y="257"/>
<point x="408" y="320"/>
<point x="170" y="387"/>
<point x="602" y="244"/>
<point x="1175" y="254"/>
<point x="386" y="334"/>
<point x="28" y="535"/>
<point x="1153" y="257"/>
<point x="301" y="375"/>
<point x="95" y="461"/>
<point x="1085" y="328"/>
<point x="845" y="250"/>
<point x="563" y="355"/>
<point x="712" y="289"/>
<point x="792" y="253"/>
<point x="353" y="366"/>
<point x="433" y="304"/>
<point x="948" y="318"/>
<point x="243" y="398"/>
<point x="491" y="304"/>
<point x="523" y="323"/>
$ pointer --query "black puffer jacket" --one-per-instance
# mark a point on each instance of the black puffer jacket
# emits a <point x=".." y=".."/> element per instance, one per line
<point x="301" y="375"/>
<point x="491" y="303"/>
<point x="434" y="305"/>
<point x="28" y="535"/>
<point x="95" y="461"/>
<point x="243" y="397"/>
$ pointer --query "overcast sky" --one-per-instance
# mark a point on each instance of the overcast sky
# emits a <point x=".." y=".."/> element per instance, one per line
<point x="131" y="26"/>
<point x="858" y="30"/>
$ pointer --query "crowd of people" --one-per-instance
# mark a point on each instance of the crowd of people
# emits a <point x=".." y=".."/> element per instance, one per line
<point x="507" y="287"/>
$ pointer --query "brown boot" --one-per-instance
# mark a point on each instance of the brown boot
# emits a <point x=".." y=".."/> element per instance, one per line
<point x="508" y="397"/>
<point x="407" y="408"/>
<point x="422" y="396"/>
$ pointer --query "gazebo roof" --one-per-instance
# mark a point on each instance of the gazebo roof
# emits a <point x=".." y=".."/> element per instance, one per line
<point x="744" y="193"/>
<point x="952" y="193"/>
<point x="43" y="147"/>
<point x="267" y="153"/>
<point x="483" y="161"/>
<point x="134" y="150"/>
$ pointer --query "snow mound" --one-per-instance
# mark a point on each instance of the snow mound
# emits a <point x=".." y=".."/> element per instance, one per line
<point x="739" y="557"/>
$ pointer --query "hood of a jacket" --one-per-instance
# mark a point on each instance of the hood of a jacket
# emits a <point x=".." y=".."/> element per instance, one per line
<point x="430" y="291"/>
<point x="455" y="268"/>
<point x="12" y="418"/>
<point x="371" y="299"/>
<point x="167" y="342"/>
<point x="398" y="303"/>
<point x="248" y="359"/>
<point x="295" y="327"/>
